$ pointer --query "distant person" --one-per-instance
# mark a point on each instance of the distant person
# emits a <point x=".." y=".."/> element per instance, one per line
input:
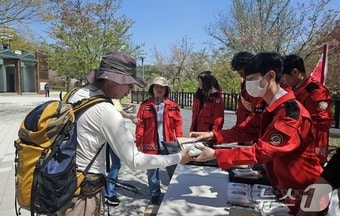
<point x="113" y="169"/>
<point x="245" y="103"/>
<point x="103" y="123"/>
<point x="314" y="96"/>
<point x="284" y="140"/>
<point x="120" y="108"/>
<point x="208" y="104"/>
<point x="47" y="90"/>
<point x="161" y="120"/>
<point x="115" y="163"/>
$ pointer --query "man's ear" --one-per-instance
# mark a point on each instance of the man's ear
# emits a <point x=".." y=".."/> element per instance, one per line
<point x="272" y="75"/>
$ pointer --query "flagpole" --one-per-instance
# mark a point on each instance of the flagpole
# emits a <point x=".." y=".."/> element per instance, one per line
<point x="324" y="62"/>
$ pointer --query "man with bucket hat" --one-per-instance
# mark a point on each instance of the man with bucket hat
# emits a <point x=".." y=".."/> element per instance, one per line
<point x="103" y="123"/>
<point x="161" y="121"/>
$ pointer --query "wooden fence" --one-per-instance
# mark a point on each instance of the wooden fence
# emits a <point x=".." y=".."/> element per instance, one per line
<point x="184" y="99"/>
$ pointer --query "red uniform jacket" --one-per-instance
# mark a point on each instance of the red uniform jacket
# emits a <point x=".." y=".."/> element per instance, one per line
<point x="146" y="131"/>
<point x="245" y="104"/>
<point x="284" y="145"/>
<point x="211" y="116"/>
<point x="317" y="100"/>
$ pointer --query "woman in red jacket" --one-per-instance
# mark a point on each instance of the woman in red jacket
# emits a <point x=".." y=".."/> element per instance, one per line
<point x="208" y="105"/>
<point x="161" y="121"/>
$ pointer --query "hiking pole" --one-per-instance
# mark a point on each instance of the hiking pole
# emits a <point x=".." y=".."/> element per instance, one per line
<point x="125" y="186"/>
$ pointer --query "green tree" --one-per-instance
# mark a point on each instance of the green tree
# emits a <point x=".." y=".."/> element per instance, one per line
<point x="150" y="72"/>
<point x="18" y="11"/>
<point x="83" y="31"/>
<point x="14" y="15"/>
<point x="229" y="80"/>
<point x="17" y="40"/>
<point x="269" y="25"/>
<point x="183" y="64"/>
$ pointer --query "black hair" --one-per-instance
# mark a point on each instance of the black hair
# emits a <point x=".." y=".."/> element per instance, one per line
<point x="151" y="93"/>
<point x="293" y="61"/>
<point x="264" y="62"/>
<point x="240" y="60"/>
<point x="208" y="82"/>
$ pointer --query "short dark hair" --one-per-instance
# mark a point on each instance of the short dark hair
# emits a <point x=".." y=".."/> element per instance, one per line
<point x="293" y="61"/>
<point x="240" y="60"/>
<point x="264" y="62"/>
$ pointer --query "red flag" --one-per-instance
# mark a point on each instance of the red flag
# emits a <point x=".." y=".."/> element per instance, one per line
<point x="320" y="71"/>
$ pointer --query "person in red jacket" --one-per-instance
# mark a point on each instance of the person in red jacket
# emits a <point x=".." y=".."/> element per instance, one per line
<point x="283" y="139"/>
<point x="314" y="96"/>
<point x="161" y="120"/>
<point x="246" y="103"/>
<point x="244" y="100"/>
<point x="208" y="104"/>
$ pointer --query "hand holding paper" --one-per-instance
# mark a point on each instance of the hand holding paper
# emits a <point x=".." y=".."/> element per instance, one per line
<point x="204" y="136"/>
<point x="205" y="155"/>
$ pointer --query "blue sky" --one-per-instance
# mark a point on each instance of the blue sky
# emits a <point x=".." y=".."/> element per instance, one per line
<point x="162" y="23"/>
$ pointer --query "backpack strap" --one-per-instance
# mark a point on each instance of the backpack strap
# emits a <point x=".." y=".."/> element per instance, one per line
<point x="86" y="170"/>
<point x="84" y="104"/>
<point x="108" y="161"/>
<point x="82" y="174"/>
<point x="68" y="94"/>
<point x="80" y="107"/>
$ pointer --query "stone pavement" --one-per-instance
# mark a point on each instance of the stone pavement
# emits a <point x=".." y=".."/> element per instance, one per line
<point x="13" y="109"/>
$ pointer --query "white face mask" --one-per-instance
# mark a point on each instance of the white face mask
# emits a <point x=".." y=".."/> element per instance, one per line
<point x="254" y="89"/>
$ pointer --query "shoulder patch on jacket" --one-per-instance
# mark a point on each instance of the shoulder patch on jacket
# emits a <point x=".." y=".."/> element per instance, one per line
<point x="292" y="109"/>
<point x="323" y="105"/>
<point x="276" y="139"/>
<point x="311" y="87"/>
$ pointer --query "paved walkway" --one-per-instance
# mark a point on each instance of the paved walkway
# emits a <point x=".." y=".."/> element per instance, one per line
<point x="13" y="109"/>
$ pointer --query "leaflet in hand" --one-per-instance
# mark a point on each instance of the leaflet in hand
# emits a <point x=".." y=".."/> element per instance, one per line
<point x="185" y="142"/>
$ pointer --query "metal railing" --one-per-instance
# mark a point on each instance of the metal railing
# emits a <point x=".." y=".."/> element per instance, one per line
<point x="185" y="99"/>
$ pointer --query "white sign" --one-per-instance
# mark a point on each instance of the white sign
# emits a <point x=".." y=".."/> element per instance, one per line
<point x="42" y="85"/>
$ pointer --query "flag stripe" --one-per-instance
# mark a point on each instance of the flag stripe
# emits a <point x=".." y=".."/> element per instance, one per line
<point x="320" y="71"/>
